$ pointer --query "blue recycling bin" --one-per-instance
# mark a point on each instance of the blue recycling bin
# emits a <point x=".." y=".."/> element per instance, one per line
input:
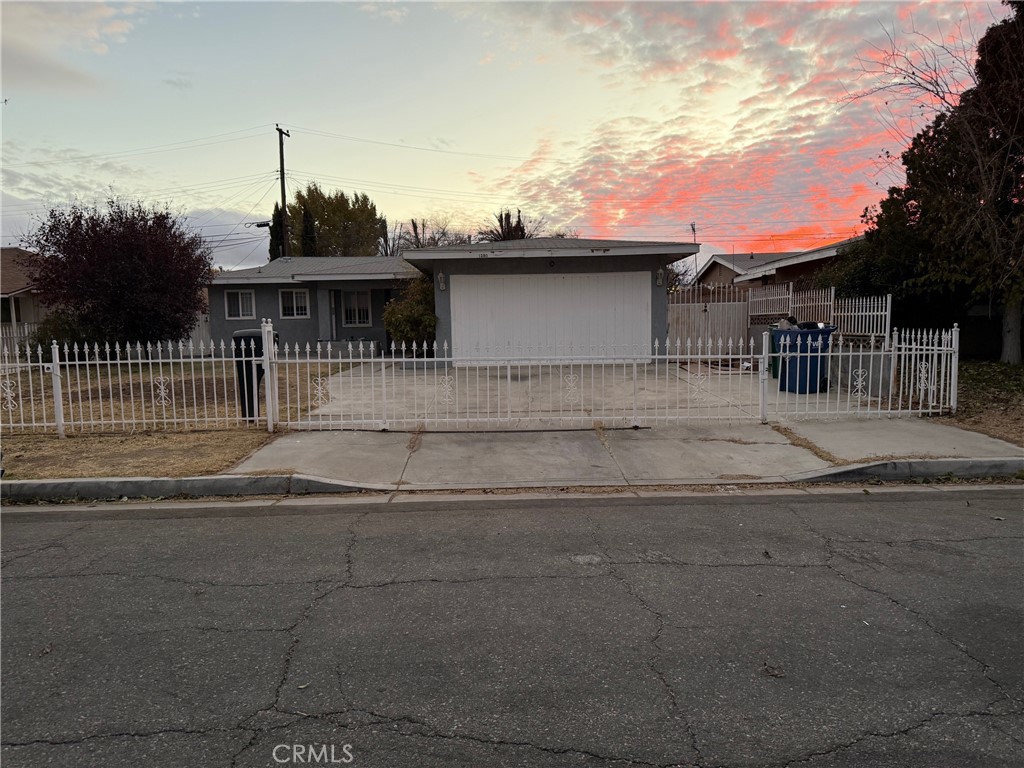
<point x="803" y="364"/>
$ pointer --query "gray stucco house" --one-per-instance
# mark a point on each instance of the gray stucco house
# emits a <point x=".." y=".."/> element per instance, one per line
<point x="550" y="297"/>
<point x="309" y="299"/>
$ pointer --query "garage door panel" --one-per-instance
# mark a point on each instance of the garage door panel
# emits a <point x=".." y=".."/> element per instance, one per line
<point x="550" y="315"/>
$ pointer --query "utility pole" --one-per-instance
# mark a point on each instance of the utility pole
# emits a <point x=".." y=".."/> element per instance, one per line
<point x="286" y="250"/>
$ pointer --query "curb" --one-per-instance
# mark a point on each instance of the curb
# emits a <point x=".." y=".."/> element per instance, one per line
<point x="914" y="469"/>
<point x="105" y="488"/>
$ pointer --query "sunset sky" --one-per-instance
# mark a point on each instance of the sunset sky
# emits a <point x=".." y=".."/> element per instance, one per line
<point x="621" y="120"/>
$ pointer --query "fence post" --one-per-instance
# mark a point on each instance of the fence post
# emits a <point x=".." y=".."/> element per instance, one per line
<point x="270" y="369"/>
<point x="635" y="422"/>
<point x="893" y="345"/>
<point x="384" y="387"/>
<point x="832" y="305"/>
<point x="789" y="288"/>
<point x="762" y="375"/>
<point x="58" y="396"/>
<point x="888" y="313"/>
<point x="954" y="374"/>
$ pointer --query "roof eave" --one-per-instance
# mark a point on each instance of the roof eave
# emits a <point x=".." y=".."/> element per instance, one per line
<point x="676" y="251"/>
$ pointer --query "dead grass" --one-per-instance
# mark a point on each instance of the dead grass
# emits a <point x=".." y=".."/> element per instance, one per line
<point x="184" y="395"/>
<point x="148" y="454"/>
<point x="990" y="400"/>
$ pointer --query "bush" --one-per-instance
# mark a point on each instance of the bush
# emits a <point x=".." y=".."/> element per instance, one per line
<point x="410" y="318"/>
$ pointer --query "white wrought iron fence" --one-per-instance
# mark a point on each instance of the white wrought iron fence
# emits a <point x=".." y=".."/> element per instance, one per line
<point x="110" y="388"/>
<point x="423" y="386"/>
<point x="914" y="372"/>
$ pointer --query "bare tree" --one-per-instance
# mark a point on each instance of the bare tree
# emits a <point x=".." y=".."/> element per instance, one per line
<point x="964" y="187"/>
<point x="506" y="229"/>
<point x="435" y="232"/>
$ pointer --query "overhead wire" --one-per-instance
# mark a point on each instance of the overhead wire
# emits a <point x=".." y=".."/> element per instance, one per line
<point x="343" y="137"/>
<point x="158" y="148"/>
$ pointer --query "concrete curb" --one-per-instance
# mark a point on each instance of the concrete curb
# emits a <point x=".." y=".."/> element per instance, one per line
<point x="914" y="469"/>
<point x="98" y="488"/>
<point x="101" y="488"/>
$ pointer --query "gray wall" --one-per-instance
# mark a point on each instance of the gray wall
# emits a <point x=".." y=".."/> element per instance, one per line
<point x="319" y="326"/>
<point x="540" y="266"/>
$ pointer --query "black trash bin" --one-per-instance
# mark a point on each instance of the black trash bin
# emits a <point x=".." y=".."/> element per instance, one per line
<point x="802" y="350"/>
<point x="248" y="349"/>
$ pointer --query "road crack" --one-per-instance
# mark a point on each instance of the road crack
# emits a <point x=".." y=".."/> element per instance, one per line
<point x="653" y="661"/>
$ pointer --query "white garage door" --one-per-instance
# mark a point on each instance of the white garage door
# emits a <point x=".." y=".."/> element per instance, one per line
<point x="551" y="316"/>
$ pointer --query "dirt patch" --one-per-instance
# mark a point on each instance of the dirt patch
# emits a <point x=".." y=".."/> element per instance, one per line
<point x="803" y="442"/>
<point x="990" y="400"/>
<point x="147" y="454"/>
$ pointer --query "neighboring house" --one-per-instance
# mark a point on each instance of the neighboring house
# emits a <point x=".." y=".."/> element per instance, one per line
<point x="309" y="299"/>
<point x="794" y="267"/>
<point x="20" y="307"/>
<point x="549" y="297"/>
<point x="723" y="268"/>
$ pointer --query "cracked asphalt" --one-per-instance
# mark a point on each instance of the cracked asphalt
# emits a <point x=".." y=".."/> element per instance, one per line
<point x="878" y="629"/>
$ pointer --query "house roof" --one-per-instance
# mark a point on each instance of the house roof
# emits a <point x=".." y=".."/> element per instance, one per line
<point x="741" y="263"/>
<point x="552" y="247"/>
<point x="305" y="269"/>
<point x="13" y="279"/>
<point x="814" y="254"/>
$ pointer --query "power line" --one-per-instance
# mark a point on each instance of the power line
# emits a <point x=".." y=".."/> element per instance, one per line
<point x="343" y="137"/>
<point x="169" y="147"/>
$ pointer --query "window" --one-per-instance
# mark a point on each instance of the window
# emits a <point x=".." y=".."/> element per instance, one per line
<point x="294" y="303"/>
<point x="355" y="307"/>
<point x="239" y="305"/>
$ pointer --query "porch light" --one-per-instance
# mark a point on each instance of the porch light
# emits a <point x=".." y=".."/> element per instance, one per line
<point x="660" y="274"/>
<point x="441" y="283"/>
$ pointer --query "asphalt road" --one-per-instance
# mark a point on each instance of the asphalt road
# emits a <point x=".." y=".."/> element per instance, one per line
<point x="848" y="630"/>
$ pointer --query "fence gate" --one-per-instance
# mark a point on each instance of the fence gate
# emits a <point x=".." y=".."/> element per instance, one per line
<point x="114" y="388"/>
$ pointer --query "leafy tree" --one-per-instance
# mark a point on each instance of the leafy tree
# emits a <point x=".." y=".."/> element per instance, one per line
<point x="127" y="273"/>
<point x="410" y="318"/>
<point x="309" y="233"/>
<point x="276" y="235"/>
<point x="958" y="221"/>
<point x="341" y="225"/>
<point x="506" y="229"/>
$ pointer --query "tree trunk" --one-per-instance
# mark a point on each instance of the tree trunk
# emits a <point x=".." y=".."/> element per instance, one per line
<point x="1011" y="331"/>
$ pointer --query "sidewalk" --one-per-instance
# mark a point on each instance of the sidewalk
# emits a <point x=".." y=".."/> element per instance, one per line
<point x="676" y="455"/>
<point x="694" y="454"/>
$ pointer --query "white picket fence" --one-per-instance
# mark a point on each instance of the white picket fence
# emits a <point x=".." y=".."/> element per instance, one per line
<point x="17" y="333"/>
<point x="727" y="311"/>
<point x="853" y="316"/>
<point x="114" y="388"/>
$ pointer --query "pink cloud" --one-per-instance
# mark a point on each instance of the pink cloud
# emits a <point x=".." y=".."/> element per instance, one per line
<point x="796" y="168"/>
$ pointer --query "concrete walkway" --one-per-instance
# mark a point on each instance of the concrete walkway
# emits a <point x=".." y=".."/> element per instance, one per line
<point x="696" y="453"/>
<point x="637" y="462"/>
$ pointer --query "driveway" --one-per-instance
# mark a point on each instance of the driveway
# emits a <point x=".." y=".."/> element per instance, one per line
<point x="557" y="395"/>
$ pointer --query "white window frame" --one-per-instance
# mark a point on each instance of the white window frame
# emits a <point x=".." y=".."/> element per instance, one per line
<point x="241" y="315"/>
<point x="369" y="309"/>
<point x="280" y="303"/>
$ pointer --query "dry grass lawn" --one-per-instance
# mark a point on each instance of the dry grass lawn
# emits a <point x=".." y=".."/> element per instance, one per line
<point x="991" y="400"/>
<point x="147" y="454"/>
